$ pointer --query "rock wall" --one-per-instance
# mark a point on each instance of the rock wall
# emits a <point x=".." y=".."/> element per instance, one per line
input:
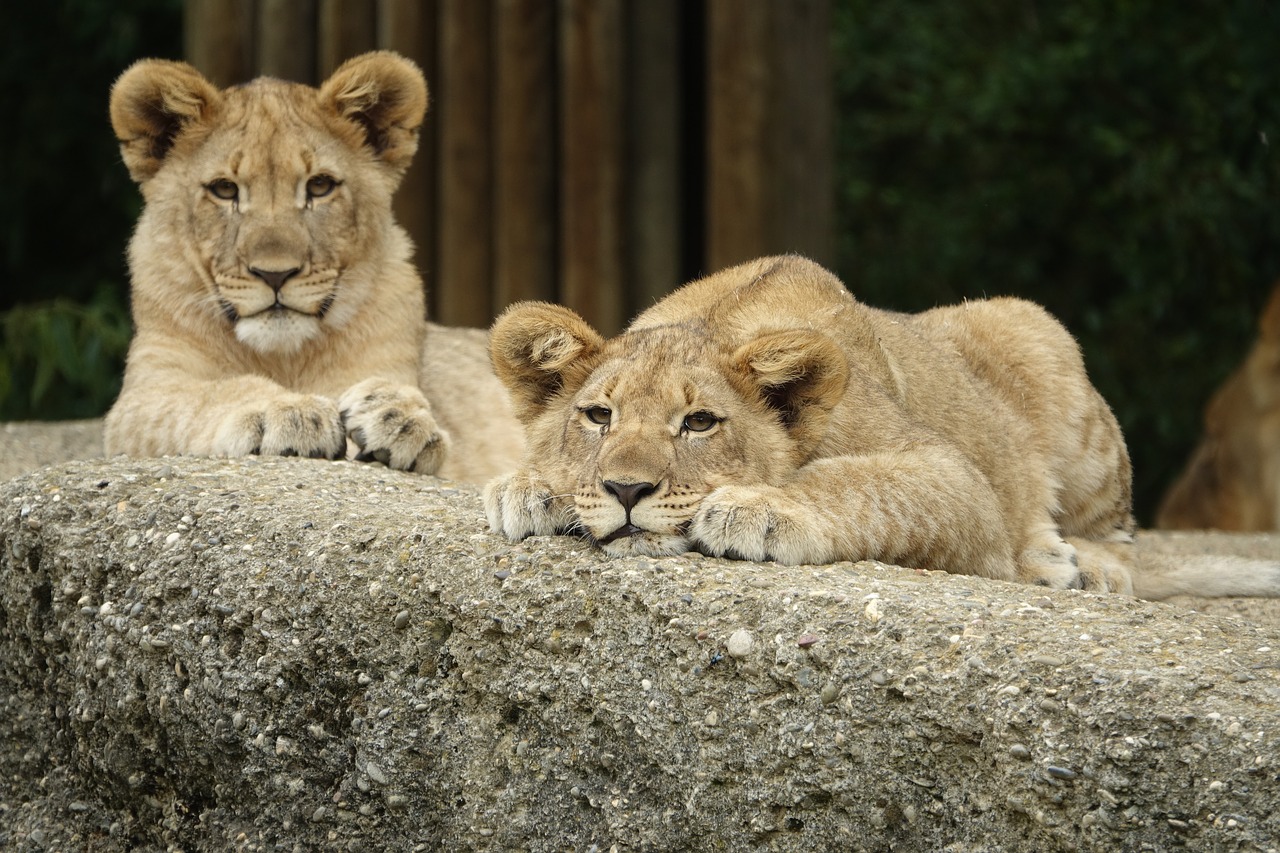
<point x="270" y="654"/>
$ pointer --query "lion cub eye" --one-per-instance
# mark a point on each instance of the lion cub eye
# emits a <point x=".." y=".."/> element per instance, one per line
<point x="320" y="186"/>
<point x="598" y="415"/>
<point x="700" y="421"/>
<point x="223" y="189"/>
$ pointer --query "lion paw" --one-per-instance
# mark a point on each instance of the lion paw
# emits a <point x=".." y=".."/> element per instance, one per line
<point x="1103" y="568"/>
<point x="758" y="523"/>
<point x="522" y="504"/>
<point x="1053" y="564"/>
<point x="393" y="424"/>
<point x="291" y="425"/>
<point x="1106" y="578"/>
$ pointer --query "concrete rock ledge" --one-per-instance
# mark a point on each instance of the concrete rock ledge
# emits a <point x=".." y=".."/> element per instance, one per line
<point x="27" y="445"/>
<point x="286" y="654"/>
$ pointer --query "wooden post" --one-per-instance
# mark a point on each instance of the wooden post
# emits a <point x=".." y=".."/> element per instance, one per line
<point x="524" y="157"/>
<point x="346" y="28"/>
<point x="409" y="27"/>
<point x="803" y="144"/>
<point x="737" y="130"/>
<point x="768" y="130"/>
<point x="590" y="163"/>
<point x="657" y="206"/>
<point x="217" y="38"/>
<point x="286" y="40"/>
<point x="464" y="277"/>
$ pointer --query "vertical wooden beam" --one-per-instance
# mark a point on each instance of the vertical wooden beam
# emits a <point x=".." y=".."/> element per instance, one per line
<point x="590" y="160"/>
<point x="287" y="40"/>
<point x="524" y="157"/>
<point x="803" y="146"/>
<point x="738" y="101"/>
<point x="217" y="38"/>
<point x="769" y="146"/>
<point x="409" y="27"/>
<point x="656" y="213"/>
<point x="465" y="264"/>
<point x="346" y="28"/>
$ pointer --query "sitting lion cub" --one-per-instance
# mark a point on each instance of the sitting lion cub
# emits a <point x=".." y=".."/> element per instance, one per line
<point x="276" y="310"/>
<point x="763" y="413"/>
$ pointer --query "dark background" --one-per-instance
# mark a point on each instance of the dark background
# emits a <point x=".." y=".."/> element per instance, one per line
<point x="1113" y="161"/>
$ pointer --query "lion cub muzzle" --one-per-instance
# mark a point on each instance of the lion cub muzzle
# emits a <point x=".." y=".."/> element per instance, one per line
<point x="295" y="298"/>
<point x="274" y="270"/>
<point x="627" y="494"/>
<point x="275" y="279"/>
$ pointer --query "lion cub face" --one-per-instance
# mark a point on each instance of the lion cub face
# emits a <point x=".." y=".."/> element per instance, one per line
<point x="282" y="191"/>
<point x="637" y="431"/>
<point x="651" y="433"/>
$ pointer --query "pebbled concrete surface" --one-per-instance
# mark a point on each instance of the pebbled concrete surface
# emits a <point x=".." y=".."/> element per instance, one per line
<point x="270" y="654"/>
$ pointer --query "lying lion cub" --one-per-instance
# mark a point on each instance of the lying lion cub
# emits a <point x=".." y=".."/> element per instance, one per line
<point x="276" y="310"/>
<point x="763" y="413"/>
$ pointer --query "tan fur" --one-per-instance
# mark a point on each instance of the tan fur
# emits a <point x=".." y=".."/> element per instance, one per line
<point x="763" y="413"/>
<point x="1232" y="481"/>
<point x="276" y="310"/>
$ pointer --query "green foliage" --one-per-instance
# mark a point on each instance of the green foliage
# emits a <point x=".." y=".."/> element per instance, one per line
<point x="1112" y="160"/>
<point x="62" y="359"/>
<point x="69" y="204"/>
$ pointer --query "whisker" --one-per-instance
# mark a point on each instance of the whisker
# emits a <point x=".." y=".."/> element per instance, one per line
<point x="579" y="532"/>
<point x="325" y="305"/>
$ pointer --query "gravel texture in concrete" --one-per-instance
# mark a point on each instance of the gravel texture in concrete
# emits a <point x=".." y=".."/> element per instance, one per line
<point x="267" y="654"/>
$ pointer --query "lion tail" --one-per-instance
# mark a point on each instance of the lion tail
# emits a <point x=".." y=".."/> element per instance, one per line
<point x="1158" y="576"/>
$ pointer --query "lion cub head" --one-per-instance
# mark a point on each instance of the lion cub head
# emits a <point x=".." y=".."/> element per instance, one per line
<point x="270" y="203"/>
<point x="639" y="429"/>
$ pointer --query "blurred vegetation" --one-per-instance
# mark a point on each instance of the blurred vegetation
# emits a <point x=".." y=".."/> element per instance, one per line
<point x="69" y="205"/>
<point x="1112" y="160"/>
<point x="63" y="356"/>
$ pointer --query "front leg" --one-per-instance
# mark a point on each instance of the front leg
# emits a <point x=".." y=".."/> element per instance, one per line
<point x="286" y="424"/>
<point x="764" y="523"/>
<point x="927" y="507"/>
<point x="235" y="416"/>
<point x="393" y="424"/>
<point x="523" y="504"/>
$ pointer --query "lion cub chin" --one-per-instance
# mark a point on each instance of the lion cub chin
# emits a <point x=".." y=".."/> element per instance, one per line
<point x="762" y="413"/>
<point x="275" y="305"/>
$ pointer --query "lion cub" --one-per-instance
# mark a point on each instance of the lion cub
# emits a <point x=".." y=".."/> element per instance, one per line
<point x="763" y="413"/>
<point x="1232" y="480"/>
<point x="275" y="307"/>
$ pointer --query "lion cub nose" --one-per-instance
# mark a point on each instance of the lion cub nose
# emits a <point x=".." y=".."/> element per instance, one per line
<point x="275" y="278"/>
<point x="629" y="494"/>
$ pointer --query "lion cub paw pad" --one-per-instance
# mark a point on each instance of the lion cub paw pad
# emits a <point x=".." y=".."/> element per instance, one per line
<point x="755" y="524"/>
<point x="520" y="505"/>
<point x="393" y="424"/>
<point x="297" y="425"/>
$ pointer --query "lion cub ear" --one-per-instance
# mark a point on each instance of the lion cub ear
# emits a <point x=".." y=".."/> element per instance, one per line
<point x="386" y="95"/>
<point x="801" y="375"/>
<point x="538" y="350"/>
<point x="152" y="103"/>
